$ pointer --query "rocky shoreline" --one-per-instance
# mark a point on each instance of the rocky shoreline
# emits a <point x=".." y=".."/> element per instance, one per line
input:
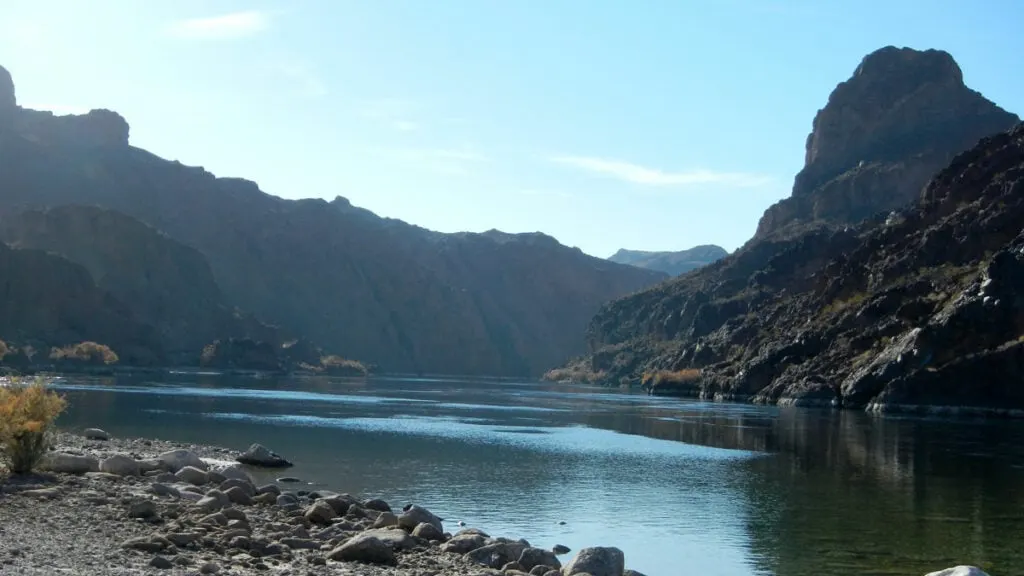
<point x="142" y="506"/>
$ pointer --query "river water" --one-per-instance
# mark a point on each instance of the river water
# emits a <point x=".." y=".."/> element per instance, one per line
<point x="682" y="487"/>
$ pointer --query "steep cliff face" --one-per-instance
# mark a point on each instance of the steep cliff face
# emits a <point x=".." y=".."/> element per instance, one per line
<point x="884" y="133"/>
<point x="48" y="301"/>
<point x="890" y="313"/>
<point x="671" y="263"/>
<point x="164" y="283"/>
<point x="380" y="290"/>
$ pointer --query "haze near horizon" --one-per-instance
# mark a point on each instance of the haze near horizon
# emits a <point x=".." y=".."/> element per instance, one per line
<point x="658" y="126"/>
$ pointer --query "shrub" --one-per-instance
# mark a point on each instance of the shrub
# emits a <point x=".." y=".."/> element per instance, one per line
<point x="662" y="377"/>
<point x="90" y="352"/>
<point x="27" y="413"/>
<point x="4" y="350"/>
<point x="333" y="363"/>
<point x="576" y="373"/>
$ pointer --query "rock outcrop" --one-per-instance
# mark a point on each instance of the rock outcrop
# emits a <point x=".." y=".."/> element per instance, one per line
<point x="884" y="132"/>
<point x="379" y="290"/>
<point x="671" y="263"/>
<point x="164" y="283"/>
<point x="49" y="301"/>
<point x="893" y="313"/>
<point x="8" y="99"/>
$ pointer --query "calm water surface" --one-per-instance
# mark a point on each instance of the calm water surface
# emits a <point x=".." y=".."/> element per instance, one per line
<point x="681" y="486"/>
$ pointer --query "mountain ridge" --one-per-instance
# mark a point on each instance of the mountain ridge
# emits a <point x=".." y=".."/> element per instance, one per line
<point x="379" y="290"/>
<point x="672" y="263"/>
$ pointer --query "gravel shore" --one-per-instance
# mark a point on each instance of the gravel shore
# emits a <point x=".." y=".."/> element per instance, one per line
<point x="166" y="508"/>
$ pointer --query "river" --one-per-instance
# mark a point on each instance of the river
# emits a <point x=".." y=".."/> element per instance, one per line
<point x="681" y="486"/>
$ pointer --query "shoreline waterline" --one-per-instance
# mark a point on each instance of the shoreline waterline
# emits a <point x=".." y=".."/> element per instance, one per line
<point x="321" y="522"/>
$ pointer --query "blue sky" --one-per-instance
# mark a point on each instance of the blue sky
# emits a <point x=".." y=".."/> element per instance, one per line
<point x="646" y="124"/>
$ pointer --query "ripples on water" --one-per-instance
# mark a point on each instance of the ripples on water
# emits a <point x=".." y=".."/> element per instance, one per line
<point x="680" y="486"/>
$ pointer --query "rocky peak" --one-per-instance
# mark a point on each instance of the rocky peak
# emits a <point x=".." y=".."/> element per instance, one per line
<point x="884" y="132"/>
<point x="7" y="97"/>
<point x="8" y="101"/>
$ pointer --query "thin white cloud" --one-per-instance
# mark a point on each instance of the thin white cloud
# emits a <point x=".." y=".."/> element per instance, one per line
<point x="222" y="27"/>
<point x="637" y="174"/>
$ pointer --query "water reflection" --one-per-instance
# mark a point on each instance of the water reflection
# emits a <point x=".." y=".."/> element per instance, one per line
<point x="724" y="489"/>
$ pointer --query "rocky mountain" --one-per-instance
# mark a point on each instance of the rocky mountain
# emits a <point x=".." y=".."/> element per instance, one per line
<point x="883" y="134"/>
<point x="164" y="284"/>
<point x="671" y="263"/>
<point x="379" y="290"/>
<point x="897" y="311"/>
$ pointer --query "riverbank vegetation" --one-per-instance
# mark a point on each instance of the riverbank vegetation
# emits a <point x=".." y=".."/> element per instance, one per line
<point x="27" y="414"/>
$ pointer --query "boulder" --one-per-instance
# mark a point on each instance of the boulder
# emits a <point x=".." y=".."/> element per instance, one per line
<point x="498" y="554"/>
<point x="533" y="557"/>
<point x="235" y="472"/>
<point x="320" y="513"/>
<point x="631" y="573"/>
<point x="396" y="538"/>
<point x="120" y="465"/>
<point x="385" y="520"/>
<point x="151" y="467"/>
<point x="238" y="495"/>
<point x="428" y="532"/>
<point x="142" y="509"/>
<point x="68" y="463"/>
<point x="959" y="571"/>
<point x="268" y="489"/>
<point x="259" y="455"/>
<point x="191" y="475"/>
<point x="364" y="548"/>
<point x="598" y="561"/>
<point x="464" y="543"/>
<point x="377" y="504"/>
<point x="265" y="498"/>
<point x="161" y="489"/>
<point x="230" y="483"/>
<point x="95" y="434"/>
<point x="560" y="549"/>
<point x="175" y="460"/>
<point x="213" y="501"/>
<point x="414" y="515"/>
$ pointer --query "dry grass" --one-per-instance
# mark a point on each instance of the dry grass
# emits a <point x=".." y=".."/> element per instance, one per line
<point x="839" y="305"/>
<point x="85" y="352"/>
<point x="333" y="362"/>
<point x="27" y="413"/>
<point x="576" y="373"/>
<point x="668" y="377"/>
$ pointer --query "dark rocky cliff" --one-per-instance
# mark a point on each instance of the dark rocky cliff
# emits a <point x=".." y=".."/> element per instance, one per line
<point x="163" y="283"/>
<point x="892" y="312"/>
<point x="47" y="301"/>
<point x="671" y="263"/>
<point x="380" y="290"/>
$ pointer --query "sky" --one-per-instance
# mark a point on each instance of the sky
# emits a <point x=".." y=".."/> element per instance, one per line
<point x="644" y="124"/>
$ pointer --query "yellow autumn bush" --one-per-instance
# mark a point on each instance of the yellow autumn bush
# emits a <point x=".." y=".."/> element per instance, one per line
<point x="27" y="414"/>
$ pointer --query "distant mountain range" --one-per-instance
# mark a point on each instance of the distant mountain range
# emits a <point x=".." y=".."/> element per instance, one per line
<point x="671" y="263"/>
<point x="167" y="257"/>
